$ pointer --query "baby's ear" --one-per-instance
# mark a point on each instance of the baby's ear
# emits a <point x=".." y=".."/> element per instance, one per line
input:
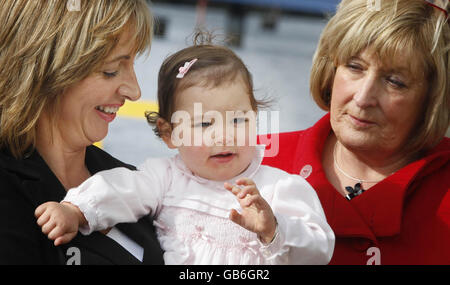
<point x="165" y="131"/>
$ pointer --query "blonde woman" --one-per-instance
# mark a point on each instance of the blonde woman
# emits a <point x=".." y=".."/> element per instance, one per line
<point x="65" y="73"/>
<point x="379" y="160"/>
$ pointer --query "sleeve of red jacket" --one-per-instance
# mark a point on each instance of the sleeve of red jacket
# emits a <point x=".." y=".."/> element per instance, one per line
<point x="286" y="144"/>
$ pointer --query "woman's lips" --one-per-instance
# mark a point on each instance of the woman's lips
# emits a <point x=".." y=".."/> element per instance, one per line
<point x="105" y="116"/>
<point x="108" y="112"/>
<point x="360" y="122"/>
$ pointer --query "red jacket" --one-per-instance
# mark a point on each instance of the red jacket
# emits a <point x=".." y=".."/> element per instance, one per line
<point x="404" y="219"/>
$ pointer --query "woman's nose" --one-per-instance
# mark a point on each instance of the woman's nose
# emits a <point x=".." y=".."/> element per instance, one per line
<point x="130" y="87"/>
<point x="367" y="93"/>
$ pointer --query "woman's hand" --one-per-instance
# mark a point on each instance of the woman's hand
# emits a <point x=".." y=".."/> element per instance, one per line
<point x="256" y="216"/>
<point x="59" y="221"/>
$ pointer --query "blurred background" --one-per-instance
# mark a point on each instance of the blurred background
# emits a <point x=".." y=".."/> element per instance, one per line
<point x="275" y="38"/>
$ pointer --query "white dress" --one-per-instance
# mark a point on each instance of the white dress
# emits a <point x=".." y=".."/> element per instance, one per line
<point x="191" y="213"/>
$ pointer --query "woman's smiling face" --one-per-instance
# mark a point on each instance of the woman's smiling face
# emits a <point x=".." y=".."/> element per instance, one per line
<point x="87" y="107"/>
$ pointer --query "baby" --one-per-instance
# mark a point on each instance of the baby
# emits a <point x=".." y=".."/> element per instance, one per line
<point x="213" y="203"/>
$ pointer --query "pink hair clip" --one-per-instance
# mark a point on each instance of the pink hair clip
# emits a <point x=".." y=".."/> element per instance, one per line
<point x="184" y="69"/>
<point x="437" y="6"/>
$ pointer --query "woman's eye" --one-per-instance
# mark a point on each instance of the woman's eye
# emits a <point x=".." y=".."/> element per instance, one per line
<point x="354" y="66"/>
<point x="110" y="74"/>
<point x="395" y="82"/>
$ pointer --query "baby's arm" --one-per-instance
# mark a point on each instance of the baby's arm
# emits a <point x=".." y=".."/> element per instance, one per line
<point x="299" y="234"/>
<point x="256" y="216"/>
<point x="304" y="234"/>
<point x="118" y="195"/>
<point x="59" y="221"/>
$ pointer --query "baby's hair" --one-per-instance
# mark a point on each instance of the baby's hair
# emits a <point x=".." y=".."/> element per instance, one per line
<point x="215" y="65"/>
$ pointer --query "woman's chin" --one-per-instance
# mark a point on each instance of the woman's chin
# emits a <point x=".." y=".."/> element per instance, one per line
<point x="358" y="141"/>
<point x="97" y="138"/>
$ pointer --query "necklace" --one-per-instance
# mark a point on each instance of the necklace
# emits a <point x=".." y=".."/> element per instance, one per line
<point x="358" y="188"/>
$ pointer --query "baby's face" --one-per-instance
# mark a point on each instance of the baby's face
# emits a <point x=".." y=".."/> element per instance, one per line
<point x="214" y="129"/>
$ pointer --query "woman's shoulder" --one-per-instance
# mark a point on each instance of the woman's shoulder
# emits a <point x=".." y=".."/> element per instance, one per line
<point x="288" y="142"/>
<point x="284" y="142"/>
<point x="97" y="160"/>
<point x="27" y="182"/>
<point x="436" y="158"/>
<point x="443" y="146"/>
<point x="10" y="185"/>
<point x="281" y="150"/>
<point x="286" y="138"/>
<point x="19" y="234"/>
<point x="13" y="172"/>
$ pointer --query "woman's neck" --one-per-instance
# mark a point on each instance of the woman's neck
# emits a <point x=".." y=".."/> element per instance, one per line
<point x="66" y="161"/>
<point x="367" y="165"/>
<point x="346" y="167"/>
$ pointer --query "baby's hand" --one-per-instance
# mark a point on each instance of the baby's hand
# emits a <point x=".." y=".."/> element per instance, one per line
<point x="256" y="216"/>
<point x="59" y="221"/>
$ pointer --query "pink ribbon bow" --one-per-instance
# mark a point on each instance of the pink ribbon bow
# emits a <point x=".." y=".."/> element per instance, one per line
<point x="184" y="69"/>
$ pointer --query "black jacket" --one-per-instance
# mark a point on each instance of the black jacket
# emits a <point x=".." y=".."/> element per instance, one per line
<point x="29" y="182"/>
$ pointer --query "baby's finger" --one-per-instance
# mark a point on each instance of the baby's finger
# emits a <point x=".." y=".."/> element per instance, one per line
<point x="64" y="239"/>
<point x="248" y="190"/>
<point x="48" y="227"/>
<point x="228" y="186"/>
<point x="245" y="181"/>
<point x="55" y="233"/>
<point x="235" y="217"/>
<point x="43" y="218"/>
<point x="249" y="201"/>
<point x="233" y="188"/>
<point x="40" y="210"/>
<point x="59" y="241"/>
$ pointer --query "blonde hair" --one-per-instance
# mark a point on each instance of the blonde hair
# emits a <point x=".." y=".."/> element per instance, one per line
<point x="45" y="48"/>
<point x="407" y="27"/>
